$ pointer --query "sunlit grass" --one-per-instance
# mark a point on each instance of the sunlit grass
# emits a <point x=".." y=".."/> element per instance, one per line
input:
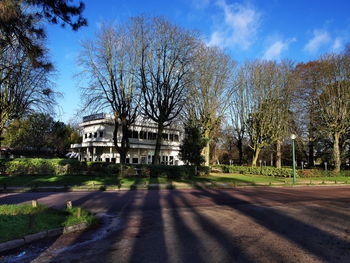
<point x="17" y="221"/>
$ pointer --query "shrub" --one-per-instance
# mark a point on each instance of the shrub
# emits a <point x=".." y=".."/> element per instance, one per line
<point x="203" y="170"/>
<point x="321" y="173"/>
<point x="268" y="171"/>
<point x="129" y="171"/>
<point x="36" y="166"/>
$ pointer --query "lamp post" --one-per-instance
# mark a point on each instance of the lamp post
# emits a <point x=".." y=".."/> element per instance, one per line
<point x="293" y="136"/>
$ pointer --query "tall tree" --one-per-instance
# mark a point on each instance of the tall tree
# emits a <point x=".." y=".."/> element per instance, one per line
<point x="309" y="82"/>
<point x="111" y="63"/>
<point x="283" y="92"/>
<point x="266" y="105"/>
<point x="211" y="90"/>
<point x="23" y="88"/>
<point x="238" y="112"/>
<point x="166" y="65"/>
<point x="334" y="102"/>
<point x="193" y="144"/>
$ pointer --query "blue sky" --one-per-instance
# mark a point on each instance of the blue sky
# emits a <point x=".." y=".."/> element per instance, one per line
<point x="300" y="30"/>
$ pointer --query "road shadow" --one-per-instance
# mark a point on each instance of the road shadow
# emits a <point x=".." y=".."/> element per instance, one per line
<point x="303" y="234"/>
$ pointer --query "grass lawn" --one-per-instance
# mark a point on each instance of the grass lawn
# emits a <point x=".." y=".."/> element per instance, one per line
<point x="220" y="178"/>
<point x="17" y="221"/>
<point x="239" y="178"/>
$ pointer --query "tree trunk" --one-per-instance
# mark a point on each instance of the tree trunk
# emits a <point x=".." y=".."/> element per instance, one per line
<point x="240" y="151"/>
<point x="1" y="129"/>
<point x="336" y="152"/>
<point x="278" y="153"/>
<point x="124" y="143"/>
<point x="206" y="149"/>
<point x="156" y="159"/>
<point x="311" y="148"/>
<point x="255" y="156"/>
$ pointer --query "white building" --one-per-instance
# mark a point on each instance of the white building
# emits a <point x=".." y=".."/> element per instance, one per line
<point x="97" y="145"/>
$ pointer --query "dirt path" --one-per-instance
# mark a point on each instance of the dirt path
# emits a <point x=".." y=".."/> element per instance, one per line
<point x="304" y="224"/>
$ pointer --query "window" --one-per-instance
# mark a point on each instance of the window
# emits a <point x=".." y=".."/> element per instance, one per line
<point x="176" y="137"/>
<point x="101" y="134"/>
<point x="143" y="159"/>
<point x="86" y="135"/>
<point x="135" y="160"/>
<point x="113" y="160"/>
<point x="135" y="134"/>
<point x="107" y="160"/>
<point x="95" y="135"/>
<point x="171" y="137"/>
<point x="164" y="160"/>
<point x="171" y="160"/>
<point x="143" y="135"/>
<point x="165" y="136"/>
<point x="127" y="160"/>
<point x="90" y="135"/>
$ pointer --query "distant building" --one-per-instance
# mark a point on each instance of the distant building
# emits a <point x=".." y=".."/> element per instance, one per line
<point x="97" y="145"/>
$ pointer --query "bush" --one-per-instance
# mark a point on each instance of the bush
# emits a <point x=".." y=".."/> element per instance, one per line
<point x="36" y="166"/>
<point x="203" y="170"/>
<point x="171" y="172"/>
<point x="54" y="167"/>
<point x="306" y="173"/>
<point x="268" y="171"/>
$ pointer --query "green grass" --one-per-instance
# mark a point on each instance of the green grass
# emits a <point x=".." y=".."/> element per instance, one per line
<point x="15" y="220"/>
<point x="40" y="180"/>
<point x="130" y="182"/>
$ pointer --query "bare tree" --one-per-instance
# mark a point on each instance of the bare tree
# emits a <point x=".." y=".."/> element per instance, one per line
<point x="166" y="64"/>
<point x="211" y="91"/>
<point x="308" y="88"/>
<point x="111" y="62"/>
<point x="283" y="92"/>
<point x="334" y="102"/>
<point x="239" y="111"/>
<point x="23" y="88"/>
<point x="266" y="104"/>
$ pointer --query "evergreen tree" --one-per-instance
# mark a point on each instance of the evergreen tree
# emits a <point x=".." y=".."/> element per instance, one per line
<point x="193" y="144"/>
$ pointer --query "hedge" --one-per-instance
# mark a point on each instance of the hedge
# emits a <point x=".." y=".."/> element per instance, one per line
<point x="322" y="173"/>
<point x="37" y="166"/>
<point x="268" y="171"/>
<point x="57" y="167"/>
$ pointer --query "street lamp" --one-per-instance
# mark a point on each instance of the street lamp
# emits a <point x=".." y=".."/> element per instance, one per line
<point x="293" y="137"/>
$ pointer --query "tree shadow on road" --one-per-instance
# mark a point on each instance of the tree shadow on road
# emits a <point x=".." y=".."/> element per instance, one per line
<point x="303" y="234"/>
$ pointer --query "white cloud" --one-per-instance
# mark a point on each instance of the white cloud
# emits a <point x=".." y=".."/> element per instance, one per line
<point x="237" y="28"/>
<point x="337" y="44"/>
<point x="274" y="51"/>
<point x="319" y="39"/>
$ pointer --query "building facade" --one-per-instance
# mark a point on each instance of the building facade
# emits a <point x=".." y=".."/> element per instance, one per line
<point x="97" y="144"/>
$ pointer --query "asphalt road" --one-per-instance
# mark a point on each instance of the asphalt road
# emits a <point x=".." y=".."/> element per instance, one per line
<point x="301" y="224"/>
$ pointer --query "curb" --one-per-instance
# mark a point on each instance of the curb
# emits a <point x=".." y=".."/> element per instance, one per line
<point x="12" y="244"/>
